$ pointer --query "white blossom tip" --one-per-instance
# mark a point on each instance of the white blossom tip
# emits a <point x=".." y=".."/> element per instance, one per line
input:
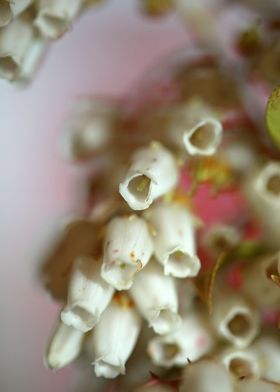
<point x="174" y="240"/>
<point x="155" y="296"/>
<point x="115" y="336"/>
<point x="65" y="346"/>
<point x="153" y="173"/>
<point x="204" y="138"/>
<point x="127" y="249"/>
<point x="268" y="183"/>
<point x="54" y="17"/>
<point x="88" y="295"/>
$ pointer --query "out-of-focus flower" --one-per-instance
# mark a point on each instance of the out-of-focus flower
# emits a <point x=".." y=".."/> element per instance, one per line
<point x="189" y="342"/>
<point x="206" y="376"/>
<point x="9" y="9"/>
<point x="240" y="363"/>
<point x="55" y="17"/>
<point x="235" y="320"/>
<point x="21" y="50"/>
<point x="267" y="350"/>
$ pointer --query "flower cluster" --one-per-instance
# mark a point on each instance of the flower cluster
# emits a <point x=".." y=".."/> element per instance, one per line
<point x="26" y="29"/>
<point x="174" y="267"/>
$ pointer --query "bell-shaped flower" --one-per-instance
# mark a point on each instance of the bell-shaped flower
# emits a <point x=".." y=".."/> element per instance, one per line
<point x="189" y="342"/>
<point x="65" y="345"/>
<point x="88" y="295"/>
<point x="156" y="298"/>
<point x="115" y="336"/>
<point x="55" y="17"/>
<point x="241" y="363"/>
<point x="235" y="319"/>
<point x="152" y="173"/>
<point x="127" y="249"/>
<point x="9" y="9"/>
<point x="174" y="240"/>
<point x="206" y="376"/>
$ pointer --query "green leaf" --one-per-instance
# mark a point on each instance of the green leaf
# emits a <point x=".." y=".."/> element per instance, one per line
<point x="273" y="116"/>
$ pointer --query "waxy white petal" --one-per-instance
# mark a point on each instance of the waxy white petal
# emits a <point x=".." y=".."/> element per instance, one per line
<point x="88" y="295"/>
<point x="234" y="319"/>
<point x="221" y="238"/>
<point x="267" y="349"/>
<point x="153" y="172"/>
<point x="18" y="57"/>
<point x="206" y="376"/>
<point x="11" y="8"/>
<point x="258" y="285"/>
<point x="204" y="137"/>
<point x="268" y="183"/>
<point x="241" y="363"/>
<point x="156" y="298"/>
<point x="64" y="346"/>
<point x="114" y="337"/>
<point x="256" y="386"/>
<point x="127" y="249"/>
<point x="188" y="343"/>
<point x="89" y="129"/>
<point x="55" y="17"/>
<point x="174" y="240"/>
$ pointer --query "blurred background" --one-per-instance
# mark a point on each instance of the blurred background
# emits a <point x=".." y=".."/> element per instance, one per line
<point x="108" y="50"/>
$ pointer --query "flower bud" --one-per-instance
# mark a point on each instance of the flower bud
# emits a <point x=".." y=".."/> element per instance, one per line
<point x="65" y="345"/>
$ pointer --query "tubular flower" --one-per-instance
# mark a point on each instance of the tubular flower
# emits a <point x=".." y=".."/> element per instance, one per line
<point x="9" y="9"/>
<point x="115" y="336"/>
<point x="241" y="363"/>
<point x="127" y="249"/>
<point x="189" y="342"/>
<point x="55" y="17"/>
<point x="88" y="295"/>
<point x="156" y="298"/>
<point x="174" y="241"/>
<point x="152" y="173"/>
<point x="64" y="346"/>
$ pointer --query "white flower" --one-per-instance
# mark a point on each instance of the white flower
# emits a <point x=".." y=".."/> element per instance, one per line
<point x="258" y="284"/>
<point x="88" y="295"/>
<point x="54" y="17"/>
<point x="206" y="376"/>
<point x="256" y="386"/>
<point x="115" y="336"/>
<point x="234" y="319"/>
<point x="204" y="137"/>
<point x="156" y="297"/>
<point x="65" y="345"/>
<point x="89" y="129"/>
<point x="174" y="240"/>
<point x="127" y="249"/>
<point x="221" y="237"/>
<point x="241" y="363"/>
<point x="268" y="183"/>
<point x="153" y="173"/>
<point x="20" y="50"/>
<point x="188" y="343"/>
<point x="267" y="349"/>
<point x="11" y="8"/>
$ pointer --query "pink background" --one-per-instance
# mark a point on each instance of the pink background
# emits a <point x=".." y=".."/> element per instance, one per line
<point x="108" y="50"/>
